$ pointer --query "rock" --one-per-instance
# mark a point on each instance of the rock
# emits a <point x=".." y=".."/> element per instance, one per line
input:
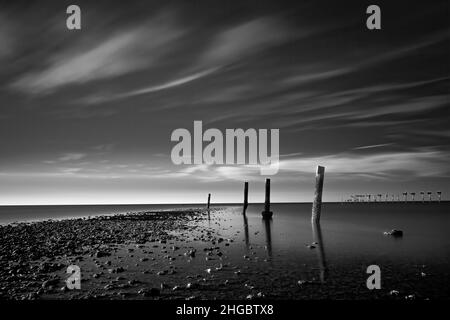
<point x="116" y="270"/>
<point x="164" y="286"/>
<point x="394" y="293"/>
<point x="152" y="292"/>
<point x="302" y="282"/>
<point x="48" y="283"/>
<point x="191" y="253"/>
<point x="395" y="233"/>
<point x="192" y="286"/>
<point x="101" y="254"/>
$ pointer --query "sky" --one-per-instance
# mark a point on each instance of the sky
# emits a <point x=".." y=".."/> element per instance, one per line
<point x="86" y="115"/>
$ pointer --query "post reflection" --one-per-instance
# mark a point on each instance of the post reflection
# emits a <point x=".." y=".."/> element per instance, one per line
<point x="267" y="227"/>
<point x="247" y="238"/>
<point x="318" y="239"/>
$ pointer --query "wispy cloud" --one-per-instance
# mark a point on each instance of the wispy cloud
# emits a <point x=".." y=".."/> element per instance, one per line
<point x="119" y="54"/>
<point x="100" y="98"/>
<point x="384" y="165"/>
<point x="373" y="146"/>
<point x="245" y="39"/>
<point x="418" y="163"/>
<point x="66" y="157"/>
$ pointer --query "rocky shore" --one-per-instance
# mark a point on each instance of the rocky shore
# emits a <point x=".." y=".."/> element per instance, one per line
<point x="194" y="254"/>
<point x="34" y="256"/>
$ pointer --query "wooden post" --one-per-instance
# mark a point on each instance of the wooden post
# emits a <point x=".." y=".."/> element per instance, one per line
<point x="245" y="195"/>
<point x="317" y="204"/>
<point x="209" y="199"/>
<point x="317" y="236"/>
<point x="267" y="213"/>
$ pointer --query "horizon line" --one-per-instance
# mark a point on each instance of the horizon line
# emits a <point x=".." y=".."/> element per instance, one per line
<point x="216" y="204"/>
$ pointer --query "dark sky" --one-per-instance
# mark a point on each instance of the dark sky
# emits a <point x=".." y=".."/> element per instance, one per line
<point x="86" y="116"/>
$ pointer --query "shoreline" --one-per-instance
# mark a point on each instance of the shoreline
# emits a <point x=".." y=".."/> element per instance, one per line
<point x="197" y="254"/>
<point x="35" y="255"/>
<point x="177" y="207"/>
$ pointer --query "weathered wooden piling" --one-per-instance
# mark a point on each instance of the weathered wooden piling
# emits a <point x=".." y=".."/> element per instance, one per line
<point x="209" y="199"/>
<point x="317" y="236"/>
<point x="267" y="213"/>
<point x="317" y="204"/>
<point x="245" y="195"/>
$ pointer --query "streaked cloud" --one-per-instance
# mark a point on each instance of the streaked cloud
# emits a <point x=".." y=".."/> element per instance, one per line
<point x="119" y="54"/>
<point x="373" y="146"/>
<point x="243" y="40"/>
<point x="151" y="89"/>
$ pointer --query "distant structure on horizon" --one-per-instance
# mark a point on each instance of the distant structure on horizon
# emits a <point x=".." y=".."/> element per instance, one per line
<point x="379" y="197"/>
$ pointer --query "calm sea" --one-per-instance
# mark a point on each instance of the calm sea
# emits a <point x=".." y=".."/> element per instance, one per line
<point x="349" y="239"/>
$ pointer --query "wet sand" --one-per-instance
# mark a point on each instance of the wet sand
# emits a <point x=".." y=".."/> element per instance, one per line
<point x="185" y="254"/>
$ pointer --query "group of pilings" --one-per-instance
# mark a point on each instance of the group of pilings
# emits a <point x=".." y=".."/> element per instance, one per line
<point x="394" y="198"/>
<point x="267" y="214"/>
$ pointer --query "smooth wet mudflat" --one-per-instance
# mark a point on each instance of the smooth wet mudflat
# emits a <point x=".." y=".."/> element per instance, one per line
<point x="224" y="254"/>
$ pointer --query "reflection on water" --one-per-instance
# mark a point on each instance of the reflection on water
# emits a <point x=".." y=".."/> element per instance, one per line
<point x="318" y="239"/>
<point x="267" y="226"/>
<point x="348" y="239"/>
<point x="247" y="239"/>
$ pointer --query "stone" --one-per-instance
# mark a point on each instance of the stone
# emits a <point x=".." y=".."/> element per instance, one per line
<point x="395" y="233"/>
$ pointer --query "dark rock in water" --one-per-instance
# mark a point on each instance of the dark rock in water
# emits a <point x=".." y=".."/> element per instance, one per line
<point x="51" y="282"/>
<point x="152" y="292"/>
<point x="191" y="285"/>
<point x="100" y="254"/>
<point x="394" y="233"/>
<point x="116" y="270"/>
<point x="47" y="267"/>
<point x="191" y="253"/>
<point x="164" y="286"/>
